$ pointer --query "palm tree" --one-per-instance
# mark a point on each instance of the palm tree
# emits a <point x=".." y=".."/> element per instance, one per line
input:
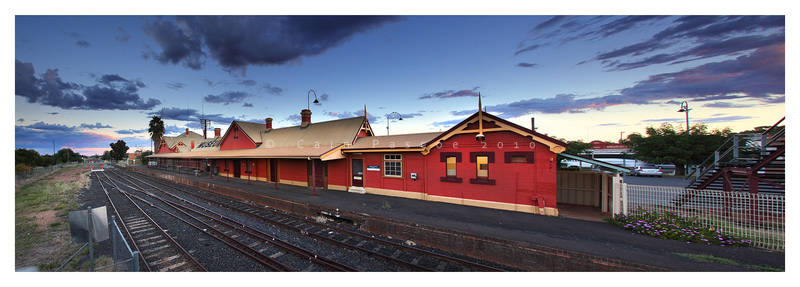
<point x="156" y="130"/>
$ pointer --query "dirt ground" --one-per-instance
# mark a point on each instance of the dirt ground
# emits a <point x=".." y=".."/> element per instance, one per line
<point x="42" y="236"/>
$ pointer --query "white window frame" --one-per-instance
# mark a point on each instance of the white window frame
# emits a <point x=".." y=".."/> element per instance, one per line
<point x="386" y="160"/>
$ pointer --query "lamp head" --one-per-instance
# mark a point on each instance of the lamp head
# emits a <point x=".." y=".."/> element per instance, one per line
<point x="682" y="110"/>
<point x="316" y="101"/>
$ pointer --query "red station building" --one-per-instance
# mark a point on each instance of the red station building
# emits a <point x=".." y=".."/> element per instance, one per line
<point x="482" y="161"/>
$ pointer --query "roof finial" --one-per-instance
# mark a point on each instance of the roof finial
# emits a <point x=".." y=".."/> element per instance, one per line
<point x="365" y="111"/>
<point x="480" y="136"/>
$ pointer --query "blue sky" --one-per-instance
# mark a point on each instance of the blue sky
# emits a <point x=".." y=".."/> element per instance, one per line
<point x="89" y="80"/>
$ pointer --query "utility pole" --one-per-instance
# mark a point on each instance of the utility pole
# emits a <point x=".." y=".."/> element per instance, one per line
<point x="205" y="123"/>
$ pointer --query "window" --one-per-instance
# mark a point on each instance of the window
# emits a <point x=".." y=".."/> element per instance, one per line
<point x="393" y="165"/>
<point x="519" y="157"/>
<point x="451" y="166"/>
<point x="483" y="166"/>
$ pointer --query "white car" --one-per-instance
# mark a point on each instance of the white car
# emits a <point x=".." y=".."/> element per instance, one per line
<point x="648" y="170"/>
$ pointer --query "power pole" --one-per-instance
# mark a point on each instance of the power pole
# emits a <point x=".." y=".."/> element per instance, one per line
<point x="205" y="123"/>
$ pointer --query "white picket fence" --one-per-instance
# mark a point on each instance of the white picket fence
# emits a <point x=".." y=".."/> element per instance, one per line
<point x="759" y="217"/>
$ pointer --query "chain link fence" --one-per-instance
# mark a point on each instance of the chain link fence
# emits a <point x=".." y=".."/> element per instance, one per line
<point x="760" y="217"/>
<point x="125" y="259"/>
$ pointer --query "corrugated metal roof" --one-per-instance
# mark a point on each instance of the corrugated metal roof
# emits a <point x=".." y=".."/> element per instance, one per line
<point x="393" y="141"/>
<point x="330" y="134"/>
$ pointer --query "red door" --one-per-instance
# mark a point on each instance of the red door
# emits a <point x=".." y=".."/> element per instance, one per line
<point x="358" y="172"/>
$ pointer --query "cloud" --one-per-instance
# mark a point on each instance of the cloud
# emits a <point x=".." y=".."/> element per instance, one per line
<point x="725" y="105"/>
<point x="723" y="119"/>
<point x="40" y="136"/>
<point x="19" y="120"/>
<point x="131" y="131"/>
<point x="189" y="115"/>
<point x="227" y="98"/>
<point x="236" y="42"/>
<point x="121" y="35"/>
<point x="684" y="38"/>
<point x="447" y="123"/>
<point x="527" y="65"/>
<point x="451" y="94"/>
<point x="662" y="120"/>
<point x="112" y="92"/>
<point x="248" y="83"/>
<point x="83" y="43"/>
<point x="342" y="115"/>
<point x="52" y="113"/>
<point x="175" y="85"/>
<point x="272" y="89"/>
<point x="403" y="116"/>
<point x="758" y="76"/>
<point x="97" y="125"/>
<point x="608" y="124"/>
<point x="247" y="105"/>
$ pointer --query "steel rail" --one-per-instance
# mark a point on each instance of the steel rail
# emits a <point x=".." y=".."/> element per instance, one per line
<point x="124" y="226"/>
<point x="160" y="229"/>
<point x="348" y="232"/>
<point x="244" y="228"/>
<point x="236" y="245"/>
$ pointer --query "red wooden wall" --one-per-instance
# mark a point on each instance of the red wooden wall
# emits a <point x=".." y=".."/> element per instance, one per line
<point x="236" y="139"/>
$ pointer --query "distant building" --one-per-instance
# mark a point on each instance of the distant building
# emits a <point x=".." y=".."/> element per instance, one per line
<point x="132" y="156"/>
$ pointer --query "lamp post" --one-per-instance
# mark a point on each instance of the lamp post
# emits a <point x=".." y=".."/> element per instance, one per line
<point x="316" y="100"/>
<point x="685" y="109"/>
<point x="399" y="117"/>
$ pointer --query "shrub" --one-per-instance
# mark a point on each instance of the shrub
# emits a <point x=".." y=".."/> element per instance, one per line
<point x="670" y="226"/>
<point x="22" y="168"/>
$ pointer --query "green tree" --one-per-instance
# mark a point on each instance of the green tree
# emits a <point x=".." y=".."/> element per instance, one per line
<point x="574" y="147"/>
<point x="118" y="150"/>
<point x="156" y="129"/>
<point x="27" y="157"/>
<point x="106" y="155"/>
<point x="143" y="157"/>
<point x="664" y="145"/>
<point x="67" y="155"/>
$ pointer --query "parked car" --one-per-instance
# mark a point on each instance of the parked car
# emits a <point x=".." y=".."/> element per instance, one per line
<point x="648" y="170"/>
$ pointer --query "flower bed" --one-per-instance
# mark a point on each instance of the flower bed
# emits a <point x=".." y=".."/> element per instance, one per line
<point x="671" y="226"/>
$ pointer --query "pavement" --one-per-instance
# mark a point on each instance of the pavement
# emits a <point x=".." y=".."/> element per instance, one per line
<point x="590" y="237"/>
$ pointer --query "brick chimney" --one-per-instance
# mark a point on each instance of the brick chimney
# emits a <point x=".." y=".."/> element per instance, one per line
<point x="305" y="116"/>
<point x="268" y="121"/>
<point x="187" y="131"/>
<point x="216" y="132"/>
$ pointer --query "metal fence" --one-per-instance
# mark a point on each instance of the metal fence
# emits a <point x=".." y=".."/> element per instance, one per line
<point x="759" y="217"/>
<point x="125" y="259"/>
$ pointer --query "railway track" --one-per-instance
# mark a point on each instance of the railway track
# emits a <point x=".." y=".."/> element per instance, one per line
<point x="410" y="257"/>
<point x="158" y="250"/>
<point x="271" y="252"/>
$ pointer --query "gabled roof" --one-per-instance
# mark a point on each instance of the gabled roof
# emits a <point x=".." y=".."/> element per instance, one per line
<point x="555" y="145"/>
<point x="335" y="132"/>
<point x="172" y="141"/>
<point x="252" y="130"/>
<point x="211" y="144"/>
<point x="403" y="141"/>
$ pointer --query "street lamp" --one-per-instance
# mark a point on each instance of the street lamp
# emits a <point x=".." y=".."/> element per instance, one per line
<point x="399" y="117"/>
<point x="316" y="100"/>
<point x="685" y="109"/>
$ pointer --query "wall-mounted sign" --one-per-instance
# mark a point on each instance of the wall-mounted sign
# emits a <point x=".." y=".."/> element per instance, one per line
<point x="374" y="167"/>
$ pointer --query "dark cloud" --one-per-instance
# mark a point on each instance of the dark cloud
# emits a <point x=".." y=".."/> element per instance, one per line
<point x="121" y="35"/>
<point x="131" y="131"/>
<point x="608" y="124"/>
<point x="672" y="102"/>
<point x="685" y="38"/>
<point x="97" y="125"/>
<point x="451" y="94"/>
<point x="50" y="127"/>
<point x="247" y="105"/>
<point x="112" y="92"/>
<point x="758" y="76"/>
<point x="19" y="120"/>
<point x="175" y="85"/>
<point x="236" y="42"/>
<point x="549" y="22"/>
<point x="189" y="115"/>
<point x="227" y="98"/>
<point x="272" y="89"/>
<point x="83" y="43"/>
<point x="53" y="113"/>
<point x="527" y="65"/>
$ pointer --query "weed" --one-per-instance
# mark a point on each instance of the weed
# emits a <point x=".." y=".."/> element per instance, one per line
<point x="712" y="258"/>
<point x="386" y="205"/>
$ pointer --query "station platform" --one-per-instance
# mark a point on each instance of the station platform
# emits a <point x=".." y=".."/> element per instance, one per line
<point x="593" y="238"/>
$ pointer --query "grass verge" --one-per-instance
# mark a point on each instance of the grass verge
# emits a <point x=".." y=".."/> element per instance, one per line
<point x="714" y="259"/>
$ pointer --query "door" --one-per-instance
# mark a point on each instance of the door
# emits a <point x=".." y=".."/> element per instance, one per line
<point x="316" y="173"/>
<point x="358" y="172"/>
<point x="237" y="168"/>
<point x="273" y="170"/>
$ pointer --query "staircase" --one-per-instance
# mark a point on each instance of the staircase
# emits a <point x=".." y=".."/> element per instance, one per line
<point x="746" y="162"/>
